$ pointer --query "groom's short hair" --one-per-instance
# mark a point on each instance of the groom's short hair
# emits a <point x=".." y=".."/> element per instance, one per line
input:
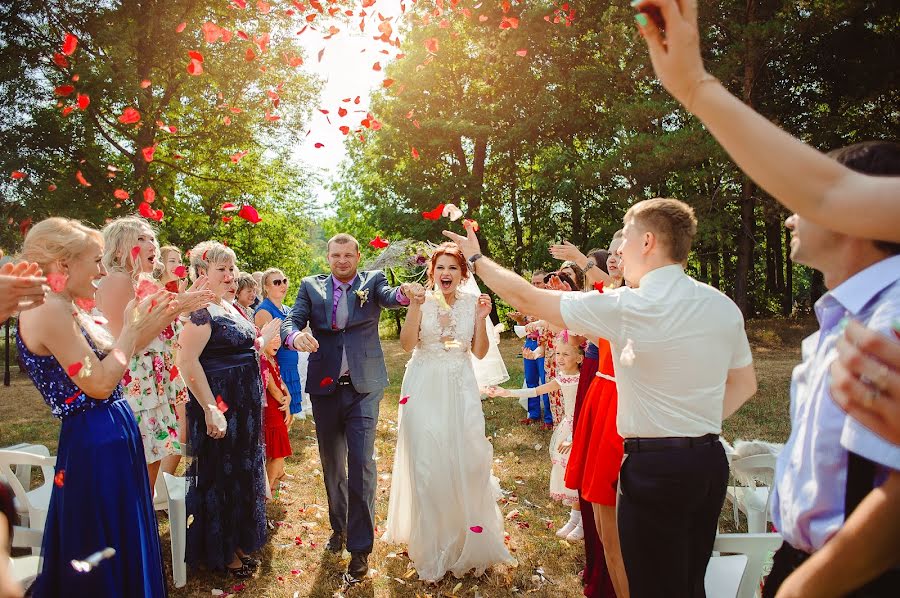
<point x="343" y="238"/>
<point x="672" y="221"/>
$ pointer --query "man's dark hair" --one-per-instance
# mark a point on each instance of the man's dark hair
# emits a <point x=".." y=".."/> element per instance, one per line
<point x="876" y="158"/>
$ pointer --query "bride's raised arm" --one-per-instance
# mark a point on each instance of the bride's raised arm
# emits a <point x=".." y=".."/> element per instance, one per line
<point x="480" y="341"/>
<point x="409" y="333"/>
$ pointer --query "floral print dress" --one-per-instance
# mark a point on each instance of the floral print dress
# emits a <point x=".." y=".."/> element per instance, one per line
<point x="153" y="387"/>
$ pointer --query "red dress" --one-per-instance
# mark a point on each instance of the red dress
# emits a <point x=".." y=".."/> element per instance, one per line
<point x="276" y="435"/>
<point x="597" y="448"/>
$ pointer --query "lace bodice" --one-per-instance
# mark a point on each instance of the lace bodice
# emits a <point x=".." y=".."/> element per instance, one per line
<point x="569" y="387"/>
<point x="447" y="330"/>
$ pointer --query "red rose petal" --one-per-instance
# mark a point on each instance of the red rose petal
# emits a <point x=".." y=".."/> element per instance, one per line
<point x="250" y="214"/>
<point x="135" y="252"/>
<point x="144" y="289"/>
<point x="129" y="116"/>
<point x="85" y="304"/>
<point x="74" y="368"/>
<point x="403" y="400"/>
<point x="84" y="101"/>
<point x="327" y="381"/>
<point x="149" y="195"/>
<point x="434" y="214"/>
<point x="60" y="478"/>
<point x="69" y="44"/>
<point x="17" y="175"/>
<point x="80" y="178"/>
<point x="222" y="405"/>
<point x="120" y="194"/>
<point x="173" y="373"/>
<point x="379" y="243"/>
<point x="71" y="399"/>
<point x="476" y="529"/>
<point x="180" y="271"/>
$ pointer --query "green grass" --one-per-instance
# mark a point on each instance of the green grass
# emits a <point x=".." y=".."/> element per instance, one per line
<point x="522" y="469"/>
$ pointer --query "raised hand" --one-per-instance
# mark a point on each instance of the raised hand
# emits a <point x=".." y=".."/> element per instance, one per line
<point x="468" y="244"/>
<point x="675" y="54"/>
<point x="568" y="252"/>
<point x="22" y="287"/>
<point x="269" y="331"/>
<point x="557" y="284"/>
<point x="484" y="306"/>
<point x="150" y="316"/>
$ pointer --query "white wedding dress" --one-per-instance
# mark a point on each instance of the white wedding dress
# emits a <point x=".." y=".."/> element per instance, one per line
<point x="443" y="502"/>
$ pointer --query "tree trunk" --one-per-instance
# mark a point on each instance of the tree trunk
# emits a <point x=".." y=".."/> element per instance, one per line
<point x="476" y="185"/>
<point x="745" y="234"/>
<point x="517" y="224"/>
<point x="787" y="295"/>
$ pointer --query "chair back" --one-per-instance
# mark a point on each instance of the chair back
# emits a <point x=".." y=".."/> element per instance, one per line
<point x="739" y="576"/>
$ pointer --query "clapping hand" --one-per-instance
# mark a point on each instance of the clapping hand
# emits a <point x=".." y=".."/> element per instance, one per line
<point x="484" y="306"/>
<point x="196" y="297"/>
<point x="269" y="331"/>
<point x="557" y="284"/>
<point x="22" y="287"/>
<point x="565" y="251"/>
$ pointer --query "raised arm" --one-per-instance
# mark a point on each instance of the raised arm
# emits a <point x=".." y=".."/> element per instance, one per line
<point x="798" y="176"/>
<point x="511" y="287"/>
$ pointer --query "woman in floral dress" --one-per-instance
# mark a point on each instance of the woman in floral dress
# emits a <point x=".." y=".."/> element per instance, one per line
<point x="151" y="384"/>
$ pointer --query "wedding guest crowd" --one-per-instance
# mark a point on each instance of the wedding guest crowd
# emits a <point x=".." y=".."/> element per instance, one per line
<point x="133" y="363"/>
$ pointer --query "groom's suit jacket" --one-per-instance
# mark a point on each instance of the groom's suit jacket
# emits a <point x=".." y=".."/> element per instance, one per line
<point x="314" y="306"/>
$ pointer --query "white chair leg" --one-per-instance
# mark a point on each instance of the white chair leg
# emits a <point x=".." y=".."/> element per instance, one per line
<point x="756" y="521"/>
<point x="177" y="527"/>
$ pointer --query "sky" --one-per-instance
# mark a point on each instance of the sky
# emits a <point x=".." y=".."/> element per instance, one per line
<point x="346" y="72"/>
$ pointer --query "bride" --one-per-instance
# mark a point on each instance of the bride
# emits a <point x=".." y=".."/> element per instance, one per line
<point x="443" y="496"/>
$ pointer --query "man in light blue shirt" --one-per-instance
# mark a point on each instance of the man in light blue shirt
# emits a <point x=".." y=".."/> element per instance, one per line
<point x="831" y="461"/>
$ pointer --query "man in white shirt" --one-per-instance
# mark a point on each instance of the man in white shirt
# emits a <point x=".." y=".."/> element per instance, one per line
<point x="682" y="363"/>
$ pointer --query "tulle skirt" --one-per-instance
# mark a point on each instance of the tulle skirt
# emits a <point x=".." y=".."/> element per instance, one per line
<point x="443" y="496"/>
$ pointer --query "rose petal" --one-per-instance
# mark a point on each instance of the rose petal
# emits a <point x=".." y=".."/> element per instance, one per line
<point x="60" y="478"/>
<point x="327" y="381"/>
<point x="73" y="369"/>
<point x="476" y="529"/>
<point x="403" y="400"/>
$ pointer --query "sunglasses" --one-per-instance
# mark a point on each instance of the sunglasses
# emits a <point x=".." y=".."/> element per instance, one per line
<point x="278" y="283"/>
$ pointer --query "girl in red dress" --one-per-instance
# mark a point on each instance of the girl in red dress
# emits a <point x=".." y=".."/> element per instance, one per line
<point x="597" y="450"/>
<point x="278" y="416"/>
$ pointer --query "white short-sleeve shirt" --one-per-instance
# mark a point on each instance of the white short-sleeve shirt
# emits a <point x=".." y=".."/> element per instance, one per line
<point x="685" y="336"/>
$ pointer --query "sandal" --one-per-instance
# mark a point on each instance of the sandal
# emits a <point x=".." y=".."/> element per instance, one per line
<point x="249" y="561"/>
<point x="242" y="572"/>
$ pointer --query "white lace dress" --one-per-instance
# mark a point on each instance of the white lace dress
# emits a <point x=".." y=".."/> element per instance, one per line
<point x="443" y="496"/>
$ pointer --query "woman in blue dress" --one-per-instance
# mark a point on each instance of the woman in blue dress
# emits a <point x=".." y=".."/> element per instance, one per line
<point x="274" y="289"/>
<point x="226" y="479"/>
<point x="101" y="498"/>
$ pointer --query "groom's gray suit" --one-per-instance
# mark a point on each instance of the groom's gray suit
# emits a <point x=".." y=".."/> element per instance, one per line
<point x="346" y="409"/>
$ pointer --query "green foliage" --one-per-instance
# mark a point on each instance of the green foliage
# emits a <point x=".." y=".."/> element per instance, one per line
<point x="559" y="143"/>
<point x="220" y="136"/>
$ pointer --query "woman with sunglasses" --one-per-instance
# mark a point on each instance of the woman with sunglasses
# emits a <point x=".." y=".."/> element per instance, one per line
<point x="274" y="288"/>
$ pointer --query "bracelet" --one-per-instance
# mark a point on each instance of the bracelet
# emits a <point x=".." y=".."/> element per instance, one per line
<point x="706" y="78"/>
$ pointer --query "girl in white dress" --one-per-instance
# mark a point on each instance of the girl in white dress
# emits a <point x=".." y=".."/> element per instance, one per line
<point x="569" y="355"/>
<point x="443" y="496"/>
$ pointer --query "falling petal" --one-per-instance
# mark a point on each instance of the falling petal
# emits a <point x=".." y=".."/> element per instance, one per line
<point x="403" y="400"/>
<point x="379" y="243"/>
<point x="80" y="178"/>
<point x="434" y="214"/>
<point x="129" y="116"/>
<point x="73" y="369"/>
<point x="249" y="214"/>
<point x="327" y="381"/>
<point x="60" y="478"/>
<point x="69" y="44"/>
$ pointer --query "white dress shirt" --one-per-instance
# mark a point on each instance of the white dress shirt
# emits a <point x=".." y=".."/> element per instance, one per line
<point x="684" y="335"/>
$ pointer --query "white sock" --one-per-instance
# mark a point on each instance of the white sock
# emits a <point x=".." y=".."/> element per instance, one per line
<point x="573" y="522"/>
<point x="575" y="517"/>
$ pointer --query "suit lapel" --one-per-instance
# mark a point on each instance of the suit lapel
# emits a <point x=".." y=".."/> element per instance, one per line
<point x="329" y="301"/>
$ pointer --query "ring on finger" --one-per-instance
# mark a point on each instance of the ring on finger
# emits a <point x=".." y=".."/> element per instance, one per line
<point x="879" y="380"/>
<point x="870" y="396"/>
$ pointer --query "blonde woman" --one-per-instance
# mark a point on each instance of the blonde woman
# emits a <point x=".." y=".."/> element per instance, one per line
<point x="227" y="487"/>
<point x="152" y="383"/>
<point x="101" y="496"/>
<point x="168" y="271"/>
<point x="274" y="290"/>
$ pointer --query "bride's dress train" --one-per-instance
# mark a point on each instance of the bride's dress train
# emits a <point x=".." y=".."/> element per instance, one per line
<point x="443" y="496"/>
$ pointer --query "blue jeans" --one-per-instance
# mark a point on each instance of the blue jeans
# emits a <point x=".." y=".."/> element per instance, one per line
<point x="534" y="377"/>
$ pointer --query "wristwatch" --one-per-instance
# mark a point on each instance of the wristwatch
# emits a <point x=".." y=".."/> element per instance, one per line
<point x="474" y="259"/>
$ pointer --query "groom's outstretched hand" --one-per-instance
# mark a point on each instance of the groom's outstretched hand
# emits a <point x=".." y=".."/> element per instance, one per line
<point x="468" y="244"/>
<point x="306" y="343"/>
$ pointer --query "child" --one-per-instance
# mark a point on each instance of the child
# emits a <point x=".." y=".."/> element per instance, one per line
<point x="569" y="354"/>
<point x="278" y="417"/>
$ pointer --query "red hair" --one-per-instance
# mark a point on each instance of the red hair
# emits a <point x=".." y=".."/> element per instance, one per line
<point x="453" y="250"/>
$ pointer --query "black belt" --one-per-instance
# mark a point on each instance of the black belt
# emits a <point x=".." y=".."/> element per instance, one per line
<point x="344" y="381"/>
<point x="646" y="445"/>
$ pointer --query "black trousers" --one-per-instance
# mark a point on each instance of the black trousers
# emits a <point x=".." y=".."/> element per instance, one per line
<point x="787" y="559"/>
<point x="668" y="509"/>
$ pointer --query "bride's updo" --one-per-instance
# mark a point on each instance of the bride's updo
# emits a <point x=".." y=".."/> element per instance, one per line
<point x="453" y="250"/>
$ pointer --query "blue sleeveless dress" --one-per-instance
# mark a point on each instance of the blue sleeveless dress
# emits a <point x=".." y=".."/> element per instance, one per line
<point x="101" y="497"/>
<point x="287" y="360"/>
<point x="226" y="478"/>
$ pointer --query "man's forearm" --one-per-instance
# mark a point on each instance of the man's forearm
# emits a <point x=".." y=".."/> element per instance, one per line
<point x="519" y="293"/>
<point x="866" y="546"/>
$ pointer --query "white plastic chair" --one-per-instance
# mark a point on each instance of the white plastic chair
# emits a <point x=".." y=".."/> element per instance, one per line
<point x="739" y="574"/>
<point x="753" y="500"/>
<point x="24" y="569"/>
<point x="175" y="489"/>
<point x="15" y="468"/>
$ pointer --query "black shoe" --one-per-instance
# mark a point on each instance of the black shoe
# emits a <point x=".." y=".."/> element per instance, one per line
<point x="250" y="562"/>
<point x="359" y="565"/>
<point x="242" y="572"/>
<point x="336" y="542"/>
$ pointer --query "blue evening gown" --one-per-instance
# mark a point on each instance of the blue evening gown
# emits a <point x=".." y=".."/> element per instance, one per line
<point x="101" y="496"/>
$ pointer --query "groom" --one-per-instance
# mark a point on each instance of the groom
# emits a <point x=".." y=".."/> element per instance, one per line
<point x="345" y="380"/>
